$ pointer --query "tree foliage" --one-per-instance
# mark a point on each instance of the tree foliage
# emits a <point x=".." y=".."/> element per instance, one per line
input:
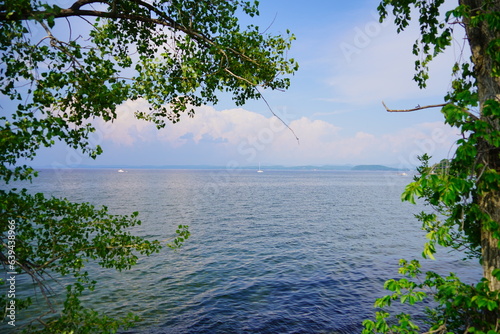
<point x="89" y="58"/>
<point x="462" y="191"/>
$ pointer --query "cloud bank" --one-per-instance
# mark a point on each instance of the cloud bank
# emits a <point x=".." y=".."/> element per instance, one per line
<point x="247" y="138"/>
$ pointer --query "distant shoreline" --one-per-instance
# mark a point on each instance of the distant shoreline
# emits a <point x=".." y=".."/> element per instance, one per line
<point x="366" y="168"/>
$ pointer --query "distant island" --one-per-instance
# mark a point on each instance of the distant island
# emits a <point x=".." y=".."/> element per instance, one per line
<point x="377" y="168"/>
<point x="335" y="168"/>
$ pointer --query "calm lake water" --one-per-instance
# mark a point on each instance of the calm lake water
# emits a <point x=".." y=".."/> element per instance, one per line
<point x="272" y="252"/>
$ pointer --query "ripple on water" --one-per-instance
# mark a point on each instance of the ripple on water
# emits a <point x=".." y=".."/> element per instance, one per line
<point x="284" y="252"/>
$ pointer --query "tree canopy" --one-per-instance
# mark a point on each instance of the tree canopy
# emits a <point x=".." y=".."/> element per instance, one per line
<point x="463" y="191"/>
<point x="61" y="68"/>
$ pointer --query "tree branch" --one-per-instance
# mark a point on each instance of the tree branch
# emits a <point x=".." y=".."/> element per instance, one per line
<point x="75" y="10"/>
<point x="279" y="118"/>
<point x="416" y="108"/>
<point x="80" y="3"/>
<point x="161" y="19"/>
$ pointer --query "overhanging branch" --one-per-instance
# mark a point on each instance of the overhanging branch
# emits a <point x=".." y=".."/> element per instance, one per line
<point x="417" y="108"/>
<point x="76" y="10"/>
<point x="156" y="17"/>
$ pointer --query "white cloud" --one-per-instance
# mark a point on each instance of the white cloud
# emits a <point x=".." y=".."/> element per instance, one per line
<point x="323" y="143"/>
<point x="249" y="137"/>
<point x="227" y="125"/>
<point x="126" y="130"/>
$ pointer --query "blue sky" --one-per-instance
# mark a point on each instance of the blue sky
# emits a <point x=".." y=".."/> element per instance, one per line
<point x="349" y="64"/>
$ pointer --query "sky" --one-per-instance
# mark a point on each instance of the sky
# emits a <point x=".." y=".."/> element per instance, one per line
<point x="349" y="64"/>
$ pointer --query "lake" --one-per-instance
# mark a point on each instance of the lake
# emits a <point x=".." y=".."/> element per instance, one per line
<point x="272" y="252"/>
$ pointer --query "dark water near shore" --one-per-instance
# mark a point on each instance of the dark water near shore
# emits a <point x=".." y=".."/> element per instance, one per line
<point x="272" y="252"/>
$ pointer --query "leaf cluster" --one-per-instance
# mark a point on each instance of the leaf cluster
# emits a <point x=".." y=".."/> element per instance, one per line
<point x="435" y="35"/>
<point x="55" y="237"/>
<point x="456" y="307"/>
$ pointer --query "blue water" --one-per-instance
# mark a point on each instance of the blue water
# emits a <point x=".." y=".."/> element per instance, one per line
<point x="272" y="252"/>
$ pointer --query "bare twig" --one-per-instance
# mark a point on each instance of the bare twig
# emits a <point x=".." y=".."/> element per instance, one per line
<point x="416" y="108"/>
<point x="272" y="112"/>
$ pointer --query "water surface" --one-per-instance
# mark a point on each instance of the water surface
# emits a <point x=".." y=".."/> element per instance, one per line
<point x="272" y="252"/>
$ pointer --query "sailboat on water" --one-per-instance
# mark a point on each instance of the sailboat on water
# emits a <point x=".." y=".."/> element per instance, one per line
<point x="260" y="170"/>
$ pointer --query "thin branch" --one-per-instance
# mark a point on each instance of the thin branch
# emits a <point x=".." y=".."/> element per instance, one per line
<point x="272" y="112"/>
<point x="54" y="42"/>
<point x="261" y="96"/>
<point x="270" y="25"/>
<point x="416" y="108"/>
<point x="240" y="78"/>
<point x="39" y="281"/>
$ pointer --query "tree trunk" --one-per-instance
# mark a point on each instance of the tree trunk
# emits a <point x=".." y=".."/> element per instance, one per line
<point x="490" y="203"/>
<point x="479" y="38"/>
